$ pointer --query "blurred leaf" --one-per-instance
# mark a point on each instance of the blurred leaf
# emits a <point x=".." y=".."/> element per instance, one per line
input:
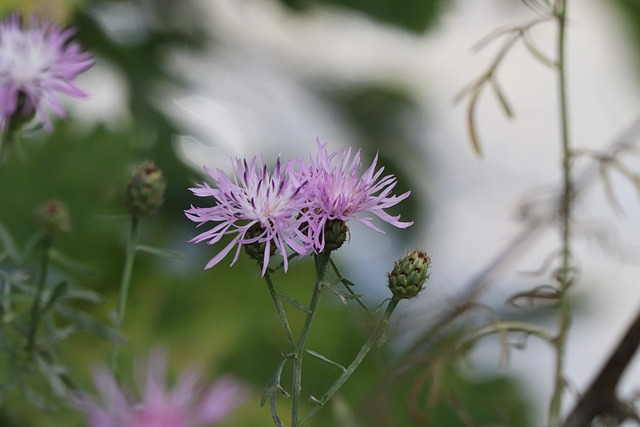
<point x="57" y="293"/>
<point x="70" y="264"/>
<point x="161" y="252"/>
<point x="84" y="294"/>
<point x="86" y="323"/>
<point x="8" y="245"/>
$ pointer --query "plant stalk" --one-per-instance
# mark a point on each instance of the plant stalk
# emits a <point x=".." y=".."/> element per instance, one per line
<point x="47" y="242"/>
<point x="378" y="332"/>
<point x="125" y="283"/>
<point x="321" y="261"/>
<point x="565" y="211"/>
<point x="278" y="304"/>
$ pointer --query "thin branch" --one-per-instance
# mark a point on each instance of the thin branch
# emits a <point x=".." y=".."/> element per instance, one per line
<point x="600" y="397"/>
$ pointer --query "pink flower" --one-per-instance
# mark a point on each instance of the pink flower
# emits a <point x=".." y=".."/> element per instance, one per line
<point x="182" y="406"/>
<point x="337" y="189"/>
<point x="256" y="207"/>
<point x="37" y="62"/>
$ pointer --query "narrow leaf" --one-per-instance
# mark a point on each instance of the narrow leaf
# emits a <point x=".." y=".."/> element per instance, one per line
<point x="535" y="52"/>
<point x="471" y="122"/>
<point x="326" y="359"/>
<point x="295" y="303"/>
<point x="608" y="190"/>
<point x="70" y="264"/>
<point x="274" y="383"/>
<point x="161" y="252"/>
<point x="58" y="291"/>
<point x="9" y="245"/>
<point x="502" y="99"/>
<point x="85" y="322"/>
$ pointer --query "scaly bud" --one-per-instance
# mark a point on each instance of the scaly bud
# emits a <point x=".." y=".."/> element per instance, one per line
<point x="409" y="273"/>
<point x="335" y="234"/>
<point x="256" y="249"/>
<point x="145" y="190"/>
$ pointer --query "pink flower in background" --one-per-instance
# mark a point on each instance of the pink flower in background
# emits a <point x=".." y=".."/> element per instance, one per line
<point x="337" y="189"/>
<point x="182" y="406"/>
<point x="255" y="207"/>
<point x="37" y="63"/>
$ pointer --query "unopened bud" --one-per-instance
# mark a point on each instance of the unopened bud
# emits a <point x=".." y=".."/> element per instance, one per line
<point x="53" y="217"/>
<point x="409" y="273"/>
<point x="145" y="191"/>
<point x="335" y="234"/>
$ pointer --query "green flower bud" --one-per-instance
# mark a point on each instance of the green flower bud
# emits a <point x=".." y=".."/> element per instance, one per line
<point x="53" y="217"/>
<point x="335" y="234"/>
<point x="409" y="273"/>
<point x="145" y="191"/>
<point x="256" y="250"/>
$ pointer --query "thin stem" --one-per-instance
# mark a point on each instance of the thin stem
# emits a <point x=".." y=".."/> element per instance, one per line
<point x="281" y="313"/>
<point x="47" y="241"/>
<point x="5" y="145"/>
<point x="321" y="261"/>
<point x="378" y="332"/>
<point x="124" y="287"/>
<point x="565" y="272"/>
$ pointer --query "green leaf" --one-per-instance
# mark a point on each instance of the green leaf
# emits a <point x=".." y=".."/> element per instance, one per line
<point x="161" y="252"/>
<point x="295" y="303"/>
<point x="87" y="323"/>
<point x="53" y="375"/>
<point x="70" y="264"/>
<point x="9" y="245"/>
<point x="85" y="295"/>
<point x="58" y="291"/>
<point x="326" y="359"/>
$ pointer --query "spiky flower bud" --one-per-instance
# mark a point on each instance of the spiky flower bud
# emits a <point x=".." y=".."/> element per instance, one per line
<point x="53" y="217"/>
<point x="335" y="234"/>
<point x="409" y="273"/>
<point x="145" y="190"/>
<point x="256" y="249"/>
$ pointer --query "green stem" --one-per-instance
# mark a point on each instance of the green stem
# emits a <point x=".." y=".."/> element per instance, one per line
<point x="47" y="241"/>
<point x="281" y="313"/>
<point x="5" y="145"/>
<point x="565" y="272"/>
<point x="321" y="261"/>
<point x="124" y="287"/>
<point x="378" y="332"/>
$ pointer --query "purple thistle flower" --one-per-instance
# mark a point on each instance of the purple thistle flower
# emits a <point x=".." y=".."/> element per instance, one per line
<point x="257" y="207"/>
<point x="37" y="62"/>
<point x="182" y="406"/>
<point x="337" y="190"/>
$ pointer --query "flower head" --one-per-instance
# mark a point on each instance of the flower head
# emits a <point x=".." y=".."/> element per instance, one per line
<point x="338" y="190"/>
<point x="260" y="209"/>
<point x="182" y="406"/>
<point x="144" y="194"/>
<point x="37" y="62"/>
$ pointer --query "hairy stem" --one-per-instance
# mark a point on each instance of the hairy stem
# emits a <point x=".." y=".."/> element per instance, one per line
<point x="125" y="283"/>
<point x="47" y="242"/>
<point x="378" y="332"/>
<point x="565" y="211"/>
<point x="321" y="261"/>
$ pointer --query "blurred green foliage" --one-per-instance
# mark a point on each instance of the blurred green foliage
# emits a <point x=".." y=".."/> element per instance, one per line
<point x="410" y="15"/>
